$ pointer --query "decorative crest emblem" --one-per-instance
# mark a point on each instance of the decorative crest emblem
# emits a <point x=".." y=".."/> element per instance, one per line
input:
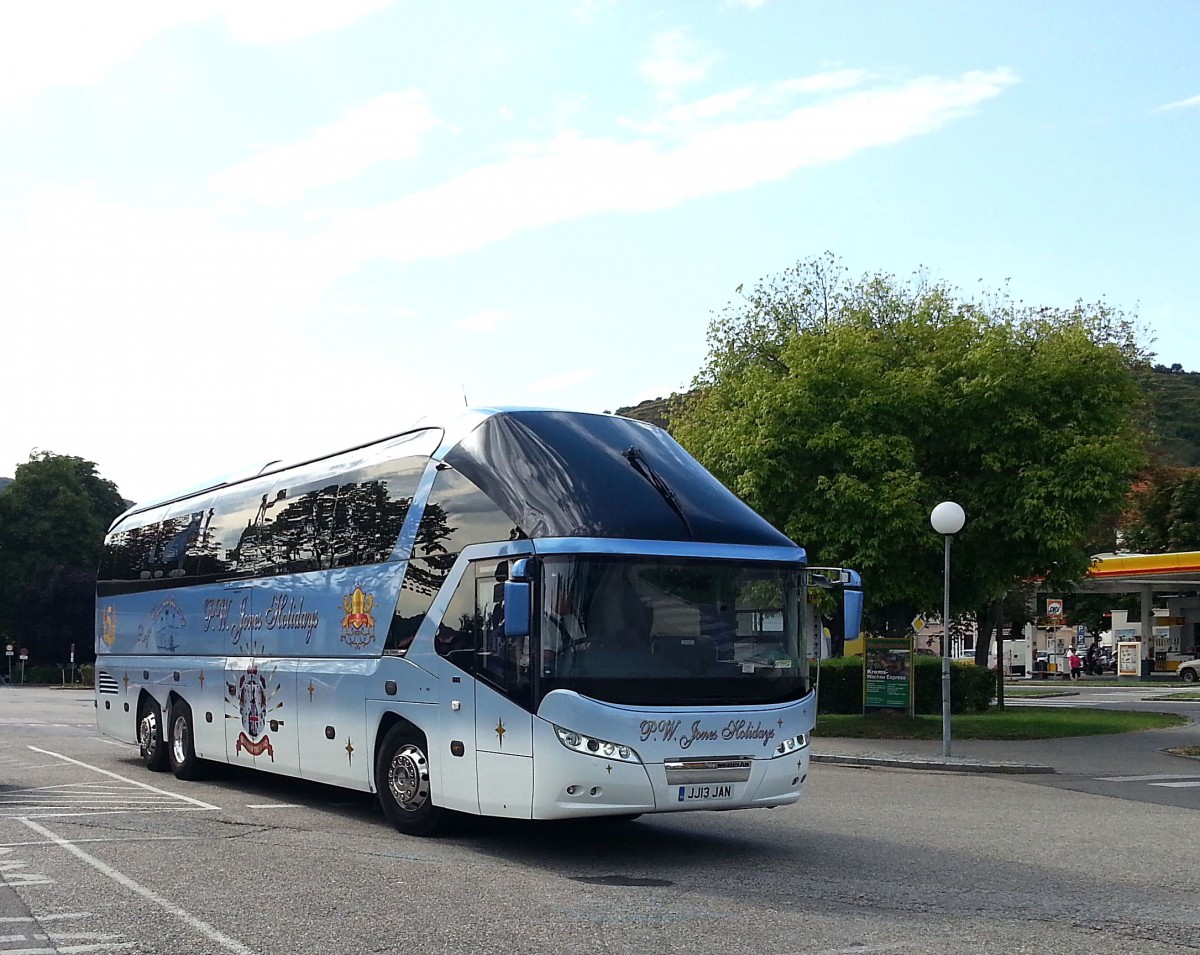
<point x="109" y="626"/>
<point x="167" y="624"/>
<point x="252" y="697"/>
<point x="358" y="626"/>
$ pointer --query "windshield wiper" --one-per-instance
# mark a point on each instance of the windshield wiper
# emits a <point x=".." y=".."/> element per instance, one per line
<point x="638" y="460"/>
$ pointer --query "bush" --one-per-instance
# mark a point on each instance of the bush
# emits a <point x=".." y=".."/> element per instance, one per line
<point x="87" y="675"/>
<point x="841" y="685"/>
<point x="41" y="674"/>
<point x="971" y="688"/>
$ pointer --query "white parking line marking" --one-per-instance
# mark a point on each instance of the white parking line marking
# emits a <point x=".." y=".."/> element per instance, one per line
<point x="71" y="949"/>
<point x="274" y="805"/>
<point x="230" y="944"/>
<point x="1148" y="778"/>
<point x="1189" y="784"/>
<point x="11" y="873"/>
<point x="44" y="918"/>
<point x="125" y="779"/>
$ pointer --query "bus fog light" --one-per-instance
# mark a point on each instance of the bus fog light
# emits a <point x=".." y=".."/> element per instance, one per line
<point x="572" y="790"/>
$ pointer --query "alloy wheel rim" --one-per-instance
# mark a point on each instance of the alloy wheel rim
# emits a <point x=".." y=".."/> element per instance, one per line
<point x="179" y="739"/>
<point x="148" y="733"/>
<point x="408" y="778"/>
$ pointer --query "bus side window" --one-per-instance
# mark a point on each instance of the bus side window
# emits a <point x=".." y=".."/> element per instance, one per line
<point x="455" y="636"/>
<point x="503" y="661"/>
<point x="114" y="565"/>
<point x="369" y="511"/>
<point x="413" y="603"/>
<point x="146" y="547"/>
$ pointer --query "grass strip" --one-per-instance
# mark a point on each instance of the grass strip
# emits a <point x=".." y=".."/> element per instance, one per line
<point x="1026" y="722"/>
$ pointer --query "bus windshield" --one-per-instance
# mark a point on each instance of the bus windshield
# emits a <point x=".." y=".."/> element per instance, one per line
<point x="673" y="631"/>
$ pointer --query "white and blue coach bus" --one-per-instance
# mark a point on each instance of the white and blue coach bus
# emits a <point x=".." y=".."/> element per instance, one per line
<point x="527" y="613"/>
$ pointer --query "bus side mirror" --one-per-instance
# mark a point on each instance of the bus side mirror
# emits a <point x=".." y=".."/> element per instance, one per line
<point x="518" y="608"/>
<point x="852" y="607"/>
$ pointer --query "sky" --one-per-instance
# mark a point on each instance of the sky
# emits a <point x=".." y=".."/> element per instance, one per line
<point x="233" y="233"/>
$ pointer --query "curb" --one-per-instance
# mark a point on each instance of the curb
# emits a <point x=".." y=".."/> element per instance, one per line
<point x="950" y="764"/>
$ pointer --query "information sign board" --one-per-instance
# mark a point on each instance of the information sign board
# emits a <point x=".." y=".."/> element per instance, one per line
<point x="1129" y="659"/>
<point x="887" y="673"/>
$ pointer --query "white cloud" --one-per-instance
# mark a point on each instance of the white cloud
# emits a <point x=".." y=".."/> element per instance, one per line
<point x="572" y="176"/>
<point x="65" y="43"/>
<point x="826" y="82"/>
<point x="388" y="128"/>
<point x="676" y="60"/>
<point x="1188" y="103"/>
<point x="588" y="12"/>
<point x="49" y="43"/>
<point x="485" y="321"/>
<point x="160" y="310"/>
<point x="280" y="21"/>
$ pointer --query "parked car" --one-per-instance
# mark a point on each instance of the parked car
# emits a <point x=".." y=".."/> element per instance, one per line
<point x="1189" y="672"/>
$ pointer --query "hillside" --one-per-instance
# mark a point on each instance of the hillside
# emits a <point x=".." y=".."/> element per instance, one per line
<point x="1174" y="402"/>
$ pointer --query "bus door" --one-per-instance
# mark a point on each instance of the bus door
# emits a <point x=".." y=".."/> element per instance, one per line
<point x="503" y="721"/>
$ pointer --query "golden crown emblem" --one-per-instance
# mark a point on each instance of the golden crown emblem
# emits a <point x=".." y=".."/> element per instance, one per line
<point x="358" y="604"/>
<point x="358" y="626"/>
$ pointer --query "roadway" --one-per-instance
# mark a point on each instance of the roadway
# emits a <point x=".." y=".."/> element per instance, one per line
<point x="99" y="855"/>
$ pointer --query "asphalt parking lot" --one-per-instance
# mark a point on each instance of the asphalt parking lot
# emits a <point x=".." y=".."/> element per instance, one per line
<point x="99" y="855"/>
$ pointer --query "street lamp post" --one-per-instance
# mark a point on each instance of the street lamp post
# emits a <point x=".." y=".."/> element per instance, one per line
<point x="947" y="519"/>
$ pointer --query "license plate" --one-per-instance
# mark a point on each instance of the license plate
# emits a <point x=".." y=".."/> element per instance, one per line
<point x="711" y="791"/>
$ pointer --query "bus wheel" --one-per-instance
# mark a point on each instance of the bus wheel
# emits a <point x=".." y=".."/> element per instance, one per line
<point x="182" y="749"/>
<point x="402" y="776"/>
<point x="150" y="737"/>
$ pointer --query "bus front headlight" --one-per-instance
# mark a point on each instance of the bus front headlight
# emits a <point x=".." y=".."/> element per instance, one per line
<point x="791" y="745"/>
<point x="591" y="746"/>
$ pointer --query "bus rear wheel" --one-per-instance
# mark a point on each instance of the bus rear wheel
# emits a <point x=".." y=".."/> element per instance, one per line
<point x="151" y="744"/>
<point x="402" y="778"/>
<point x="181" y="746"/>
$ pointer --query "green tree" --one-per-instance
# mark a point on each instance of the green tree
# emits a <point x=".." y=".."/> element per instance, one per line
<point x="1165" y="512"/>
<point x="53" y="518"/>
<point x="844" y="411"/>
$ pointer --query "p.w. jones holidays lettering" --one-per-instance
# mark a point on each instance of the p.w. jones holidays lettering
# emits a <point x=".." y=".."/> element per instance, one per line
<point x="669" y="731"/>
<point x="285" y="612"/>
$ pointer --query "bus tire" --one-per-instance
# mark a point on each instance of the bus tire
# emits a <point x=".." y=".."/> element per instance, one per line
<point x="402" y="778"/>
<point x="181" y="744"/>
<point x="151" y="745"/>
